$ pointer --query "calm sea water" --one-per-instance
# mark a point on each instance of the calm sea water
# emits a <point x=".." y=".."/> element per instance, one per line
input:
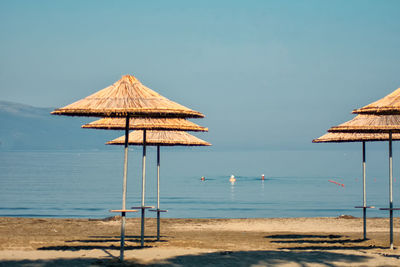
<point x="88" y="184"/>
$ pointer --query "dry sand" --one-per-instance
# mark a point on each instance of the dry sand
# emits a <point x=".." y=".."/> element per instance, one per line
<point x="199" y="242"/>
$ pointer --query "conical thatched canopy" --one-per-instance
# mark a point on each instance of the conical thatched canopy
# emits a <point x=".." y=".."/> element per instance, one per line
<point x="127" y="97"/>
<point x="161" y="138"/>
<point x="146" y="124"/>
<point x="338" y="137"/>
<point x="390" y="104"/>
<point x="370" y="124"/>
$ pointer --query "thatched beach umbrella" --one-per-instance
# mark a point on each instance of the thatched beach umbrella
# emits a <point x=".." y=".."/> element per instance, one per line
<point x="169" y="124"/>
<point x="160" y="138"/>
<point x="339" y="137"/>
<point x="125" y="99"/>
<point x="388" y="105"/>
<point x="373" y="123"/>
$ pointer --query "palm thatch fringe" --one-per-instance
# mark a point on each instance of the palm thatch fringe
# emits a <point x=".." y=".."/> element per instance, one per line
<point x="161" y="138"/>
<point x="127" y="97"/>
<point x="145" y="124"/>
<point x="338" y="137"/>
<point x="370" y="124"/>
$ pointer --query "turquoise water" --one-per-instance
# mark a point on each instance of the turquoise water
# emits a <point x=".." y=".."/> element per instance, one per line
<point x="89" y="183"/>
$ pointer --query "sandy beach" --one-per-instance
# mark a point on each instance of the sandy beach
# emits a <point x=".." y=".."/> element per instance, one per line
<point x="198" y="242"/>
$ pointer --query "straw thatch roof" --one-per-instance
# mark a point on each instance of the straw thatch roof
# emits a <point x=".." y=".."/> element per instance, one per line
<point x="161" y="138"/>
<point x="370" y="124"/>
<point x="146" y="124"/>
<point x="390" y="104"/>
<point x="338" y="137"/>
<point x="127" y="97"/>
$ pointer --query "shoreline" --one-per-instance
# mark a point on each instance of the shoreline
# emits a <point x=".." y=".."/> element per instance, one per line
<point x="186" y="218"/>
<point x="313" y="241"/>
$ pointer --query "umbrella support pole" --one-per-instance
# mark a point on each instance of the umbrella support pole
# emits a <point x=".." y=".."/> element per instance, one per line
<point x="158" y="225"/>
<point x="158" y="210"/>
<point x="121" y="257"/>
<point x="365" y="223"/>
<point x="391" y="209"/>
<point x="391" y="188"/>
<point x="142" y="229"/>
<point x="158" y="193"/>
<point x="121" y="254"/>
<point x="143" y="190"/>
<point x="364" y="194"/>
<point x="143" y="207"/>
<point x="390" y="191"/>
<point x="364" y="206"/>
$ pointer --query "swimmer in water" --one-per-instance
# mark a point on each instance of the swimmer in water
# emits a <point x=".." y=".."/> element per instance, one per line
<point x="202" y="178"/>
<point x="262" y="177"/>
<point x="232" y="179"/>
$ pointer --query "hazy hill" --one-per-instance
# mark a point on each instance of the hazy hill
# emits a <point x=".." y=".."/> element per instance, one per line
<point x="27" y="127"/>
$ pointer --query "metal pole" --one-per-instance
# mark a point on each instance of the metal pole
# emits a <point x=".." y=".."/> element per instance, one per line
<point x="391" y="189"/>
<point x="158" y="193"/>
<point x="143" y="186"/>
<point x="364" y="194"/>
<point x="124" y="189"/>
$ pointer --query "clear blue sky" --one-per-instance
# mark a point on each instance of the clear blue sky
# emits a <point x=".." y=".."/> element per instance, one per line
<point x="265" y="73"/>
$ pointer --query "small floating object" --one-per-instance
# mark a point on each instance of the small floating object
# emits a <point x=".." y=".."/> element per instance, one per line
<point x="232" y="179"/>
<point x="202" y="178"/>
<point x="262" y="177"/>
<point x="339" y="184"/>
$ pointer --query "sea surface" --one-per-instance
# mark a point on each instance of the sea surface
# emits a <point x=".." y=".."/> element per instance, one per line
<point x="73" y="184"/>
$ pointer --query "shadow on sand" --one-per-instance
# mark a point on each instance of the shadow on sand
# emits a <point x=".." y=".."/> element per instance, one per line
<point x="103" y="243"/>
<point x="106" y="239"/>
<point x="301" y="255"/>
<point x="321" y="242"/>
<point x="91" y="247"/>
<point x="226" y="258"/>
<point x="297" y="236"/>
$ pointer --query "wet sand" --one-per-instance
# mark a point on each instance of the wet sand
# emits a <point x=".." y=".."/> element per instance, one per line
<point x="199" y="242"/>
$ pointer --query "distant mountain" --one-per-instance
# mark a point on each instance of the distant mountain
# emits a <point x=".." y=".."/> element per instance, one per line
<point x="27" y="127"/>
